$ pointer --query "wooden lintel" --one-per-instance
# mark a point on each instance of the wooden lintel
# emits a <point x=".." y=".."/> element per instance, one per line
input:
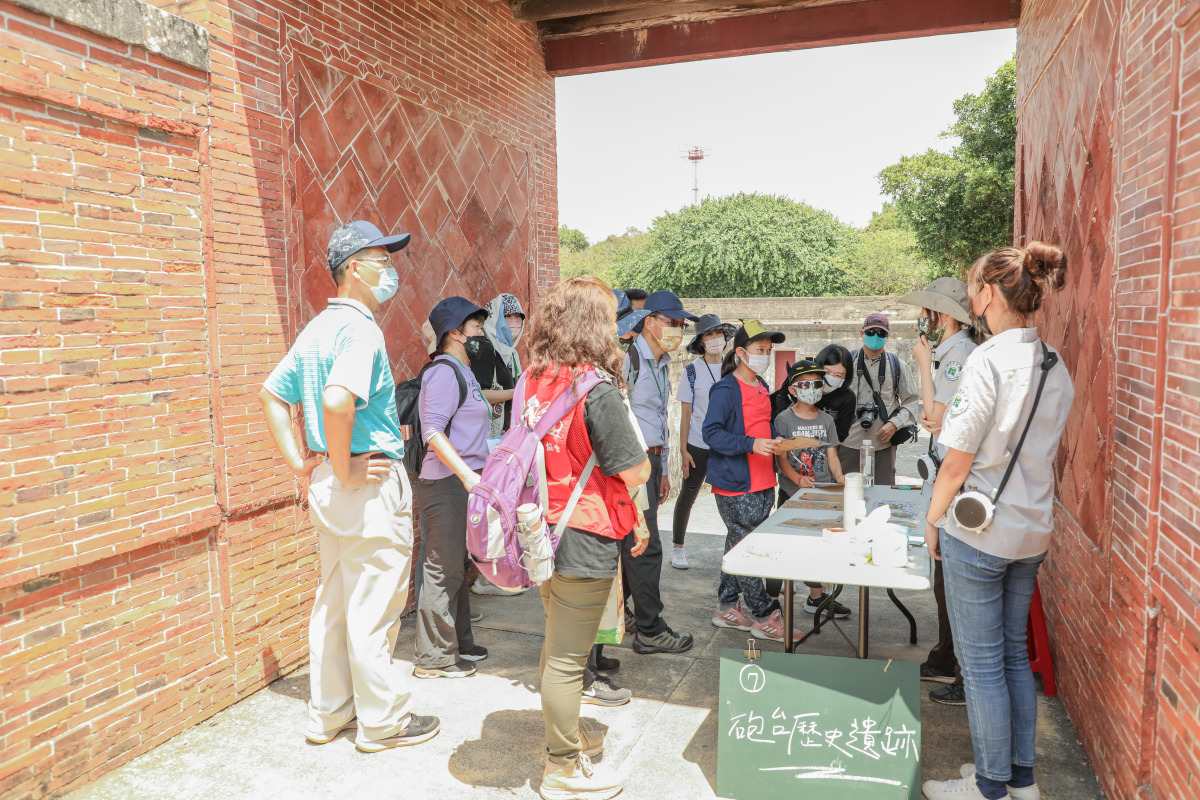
<point x="793" y="29"/>
<point x="538" y="10"/>
<point x="674" y="12"/>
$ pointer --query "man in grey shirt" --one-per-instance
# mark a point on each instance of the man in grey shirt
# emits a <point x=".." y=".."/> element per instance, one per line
<point x="646" y="373"/>
<point x="875" y="370"/>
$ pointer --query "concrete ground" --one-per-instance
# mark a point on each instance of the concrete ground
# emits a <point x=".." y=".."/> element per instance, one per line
<point x="491" y="742"/>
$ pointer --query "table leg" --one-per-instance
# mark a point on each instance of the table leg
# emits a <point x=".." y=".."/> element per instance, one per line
<point x="789" y="646"/>
<point x="912" y="623"/>
<point x="864" y="608"/>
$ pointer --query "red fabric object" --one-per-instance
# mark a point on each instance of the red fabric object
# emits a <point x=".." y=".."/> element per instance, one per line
<point x="1038" y="643"/>
<point x="756" y="413"/>
<point x="605" y="507"/>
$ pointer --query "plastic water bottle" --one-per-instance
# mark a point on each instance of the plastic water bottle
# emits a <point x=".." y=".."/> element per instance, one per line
<point x="867" y="462"/>
<point x="538" y="559"/>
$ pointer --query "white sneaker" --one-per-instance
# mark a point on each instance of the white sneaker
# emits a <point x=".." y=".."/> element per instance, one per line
<point x="678" y="559"/>
<point x="960" y="789"/>
<point x="317" y="736"/>
<point x="1031" y="792"/>
<point x="579" y="781"/>
<point x="481" y="586"/>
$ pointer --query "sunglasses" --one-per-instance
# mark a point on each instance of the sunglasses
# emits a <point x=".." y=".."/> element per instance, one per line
<point x="876" y="332"/>
<point x="808" y="384"/>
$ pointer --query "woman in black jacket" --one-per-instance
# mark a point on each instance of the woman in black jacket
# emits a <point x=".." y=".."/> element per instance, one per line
<point x="838" y="401"/>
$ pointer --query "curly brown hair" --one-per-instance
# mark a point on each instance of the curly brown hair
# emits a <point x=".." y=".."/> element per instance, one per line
<point x="575" y="324"/>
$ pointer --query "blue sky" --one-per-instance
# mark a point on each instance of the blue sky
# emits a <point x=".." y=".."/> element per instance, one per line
<point x="815" y="125"/>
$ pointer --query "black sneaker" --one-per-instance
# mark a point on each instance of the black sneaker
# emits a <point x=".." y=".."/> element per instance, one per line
<point x="839" y="610"/>
<point x="604" y="692"/>
<point x="666" y="642"/>
<point x="419" y="729"/>
<point x="462" y="669"/>
<point x="475" y="653"/>
<point x="954" y="694"/>
<point x="606" y="665"/>
<point x="928" y="673"/>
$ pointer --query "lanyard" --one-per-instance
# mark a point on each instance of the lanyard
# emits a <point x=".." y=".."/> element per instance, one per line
<point x="662" y="395"/>
<point x="711" y="374"/>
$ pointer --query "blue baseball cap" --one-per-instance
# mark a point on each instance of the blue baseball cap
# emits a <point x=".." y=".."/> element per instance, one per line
<point x="451" y="313"/>
<point x="667" y="303"/>
<point x="359" y="235"/>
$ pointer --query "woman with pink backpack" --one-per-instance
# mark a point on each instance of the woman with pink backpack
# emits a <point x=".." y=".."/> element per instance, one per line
<point x="573" y="335"/>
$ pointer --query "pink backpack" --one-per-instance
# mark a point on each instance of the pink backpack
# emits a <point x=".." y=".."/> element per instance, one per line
<point x="515" y="474"/>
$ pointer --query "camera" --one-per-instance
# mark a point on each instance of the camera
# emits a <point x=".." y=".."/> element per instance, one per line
<point x="866" y="413"/>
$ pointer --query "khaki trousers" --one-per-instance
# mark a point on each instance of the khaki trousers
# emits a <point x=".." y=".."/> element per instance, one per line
<point x="573" y="610"/>
<point x="365" y="539"/>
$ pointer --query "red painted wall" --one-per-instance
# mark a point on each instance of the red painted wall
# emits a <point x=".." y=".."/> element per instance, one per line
<point x="164" y="232"/>
<point x="1108" y="113"/>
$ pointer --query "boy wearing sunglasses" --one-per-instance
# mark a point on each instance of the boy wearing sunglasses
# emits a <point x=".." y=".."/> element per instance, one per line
<point x="802" y="469"/>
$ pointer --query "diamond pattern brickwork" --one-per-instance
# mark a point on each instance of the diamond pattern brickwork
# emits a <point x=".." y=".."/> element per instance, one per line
<point x="363" y="150"/>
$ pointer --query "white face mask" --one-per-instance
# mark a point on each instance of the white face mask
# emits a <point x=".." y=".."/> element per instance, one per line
<point x="389" y="283"/>
<point x="714" y="346"/>
<point x="759" y="363"/>
<point x="810" y="396"/>
<point x="831" y="383"/>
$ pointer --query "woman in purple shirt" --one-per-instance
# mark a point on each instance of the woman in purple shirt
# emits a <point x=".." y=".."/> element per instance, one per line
<point x="455" y="428"/>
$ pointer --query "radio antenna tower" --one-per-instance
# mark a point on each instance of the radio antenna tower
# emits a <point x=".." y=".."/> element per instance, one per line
<point x="695" y="155"/>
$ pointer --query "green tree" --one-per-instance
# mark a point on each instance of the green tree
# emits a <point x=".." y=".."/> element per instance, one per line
<point x="601" y="258"/>
<point x="571" y="240"/>
<point x="744" y="245"/>
<point x="960" y="204"/>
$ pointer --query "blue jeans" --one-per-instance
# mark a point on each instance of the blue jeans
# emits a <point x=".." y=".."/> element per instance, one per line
<point x="988" y="599"/>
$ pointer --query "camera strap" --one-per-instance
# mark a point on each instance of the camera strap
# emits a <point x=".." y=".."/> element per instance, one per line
<point x="863" y="372"/>
<point x="1048" y="361"/>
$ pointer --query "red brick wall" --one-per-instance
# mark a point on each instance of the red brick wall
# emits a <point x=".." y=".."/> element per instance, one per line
<point x="1108" y="154"/>
<point x="163" y="232"/>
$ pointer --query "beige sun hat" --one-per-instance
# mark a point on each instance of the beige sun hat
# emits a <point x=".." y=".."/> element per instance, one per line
<point x="945" y="295"/>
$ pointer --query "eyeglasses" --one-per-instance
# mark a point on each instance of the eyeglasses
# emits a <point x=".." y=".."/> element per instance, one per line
<point x="876" y="332"/>
<point x="377" y="263"/>
<point x="807" y="384"/>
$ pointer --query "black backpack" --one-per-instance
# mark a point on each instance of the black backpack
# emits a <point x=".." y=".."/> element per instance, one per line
<point x="408" y="396"/>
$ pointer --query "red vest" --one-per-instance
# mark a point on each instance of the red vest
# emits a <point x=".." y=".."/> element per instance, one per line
<point x="605" y="507"/>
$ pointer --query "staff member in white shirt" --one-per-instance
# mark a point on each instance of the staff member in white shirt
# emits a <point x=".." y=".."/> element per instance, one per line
<point x="999" y="434"/>
<point x="941" y="350"/>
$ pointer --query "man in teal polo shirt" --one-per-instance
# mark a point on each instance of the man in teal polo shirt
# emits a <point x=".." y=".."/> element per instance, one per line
<point x="359" y="498"/>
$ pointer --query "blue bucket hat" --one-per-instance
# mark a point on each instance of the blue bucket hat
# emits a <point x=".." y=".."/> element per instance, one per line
<point x="451" y="313"/>
<point x="359" y="235"/>
<point x="627" y="318"/>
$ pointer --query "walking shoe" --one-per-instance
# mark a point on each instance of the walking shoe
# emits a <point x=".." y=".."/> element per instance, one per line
<point x="325" y="737"/>
<point x="678" y="559"/>
<point x="666" y="642"/>
<point x="591" y="739"/>
<point x="953" y="694"/>
<point x="772" y="628"/>
<point x="839" y="610"/>
<point x="583" y="779"/>
<point x="928" y="673"/>
<point x="960" y="789"/>
<point x="461" y="669"/>
<point x="476" y="653"/>
<point x="419" y="729"/>
<point x="604" y="692"/>
<point x="606" y="665"/>
<point x="481" y="586"/>
<point x="732" y="618"/>
<point x="1030" y="792"/>
<point x="476" y="616"/>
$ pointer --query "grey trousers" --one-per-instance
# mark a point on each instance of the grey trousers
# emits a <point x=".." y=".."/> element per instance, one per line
<point x="444" y="607"/>
<point x="885" y="463"/>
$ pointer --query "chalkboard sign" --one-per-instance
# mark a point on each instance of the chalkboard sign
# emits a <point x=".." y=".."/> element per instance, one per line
<point x="800" y="726"/>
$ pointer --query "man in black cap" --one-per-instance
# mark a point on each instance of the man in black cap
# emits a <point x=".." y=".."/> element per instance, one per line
<point x="646" y="372"/>
<point x="359" y="498"/>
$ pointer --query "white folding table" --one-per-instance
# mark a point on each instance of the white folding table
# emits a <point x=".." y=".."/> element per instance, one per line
<point x="777" y="550"/>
